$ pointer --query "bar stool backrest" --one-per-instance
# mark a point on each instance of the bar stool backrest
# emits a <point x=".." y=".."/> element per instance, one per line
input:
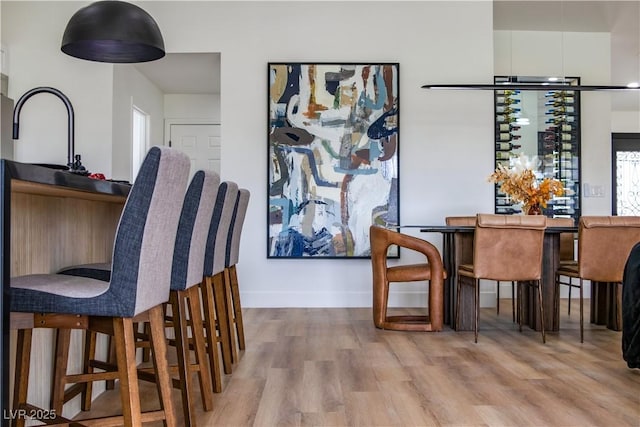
<point x="508" y="247"/>
<point x="216" y="249"/>
<point x="604" y="244"/>
<point x="144" y="241"/>
<point x="233" y="240"/>
<point x="193" y="229"/>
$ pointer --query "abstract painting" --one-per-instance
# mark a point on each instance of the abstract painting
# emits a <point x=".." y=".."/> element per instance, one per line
<point x="333" y="157"/>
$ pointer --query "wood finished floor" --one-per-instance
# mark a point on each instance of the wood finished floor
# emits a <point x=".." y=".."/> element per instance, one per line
<point x="332" y="367"/>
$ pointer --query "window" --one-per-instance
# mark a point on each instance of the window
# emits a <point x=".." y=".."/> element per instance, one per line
<point x="626" y="173"/>
<point x="140" y="139"/>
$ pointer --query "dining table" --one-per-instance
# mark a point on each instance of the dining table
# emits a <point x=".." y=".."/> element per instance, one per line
<point x="457" y="249"/>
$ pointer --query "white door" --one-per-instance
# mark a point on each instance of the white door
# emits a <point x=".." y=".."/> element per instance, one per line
<point x="201" y="142"/>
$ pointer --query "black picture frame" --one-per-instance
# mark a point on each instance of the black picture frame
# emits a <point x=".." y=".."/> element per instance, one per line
<point x="333" y="158"/>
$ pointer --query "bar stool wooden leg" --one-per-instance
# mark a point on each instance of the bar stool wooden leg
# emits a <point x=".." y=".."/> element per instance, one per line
<point x="228" y="303"/>
<point x="21" y="379"/>
<point x="176" y="300"/>
<point x="63" y="339"/>
<point x="208" y="299"/>
<point x="237" y="307"/>
<point x="159" y="357"/>
<point x="197" y="331"/>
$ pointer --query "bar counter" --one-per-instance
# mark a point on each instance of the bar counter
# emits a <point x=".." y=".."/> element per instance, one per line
<point x="50" y="219"/>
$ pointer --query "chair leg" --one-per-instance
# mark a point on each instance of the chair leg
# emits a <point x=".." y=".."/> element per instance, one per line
<point x="520" y="308"/>
<point x="237" y="307"/>
<point x="61" y="358"/>
<point x="21" y="379"/>
<point x="498" y="297"/>
<point x="539" y="286"/>
<point x="197" y="332"/>
<point x="457" y="313"/>
<point x="89" y="354"/>
<point x="228" y="306"/>
<point x="127" y="373"/>
<point x="223" y="319"/>
<point x="569" y="300"/>
<point x="159" y="356"/>
<point x="477" y="306"/>
<point x="176" y="300"/>
<point x="581" y="313"/>
<point x="208" y="299"/>
<point x="513" y="302"/>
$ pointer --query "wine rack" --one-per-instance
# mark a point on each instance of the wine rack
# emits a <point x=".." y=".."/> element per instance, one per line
<point x="542" y="123"/>
<point x="559" y="149"/>
<point x="507" y="135"/>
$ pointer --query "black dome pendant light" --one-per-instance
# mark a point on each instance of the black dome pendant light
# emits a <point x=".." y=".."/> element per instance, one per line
<point x="114" y="32"/>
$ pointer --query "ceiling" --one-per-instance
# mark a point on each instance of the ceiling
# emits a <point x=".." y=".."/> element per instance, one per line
<point x="199" y="73"/>
<point x="620" y="18"/>
<point x="186" y="73"/>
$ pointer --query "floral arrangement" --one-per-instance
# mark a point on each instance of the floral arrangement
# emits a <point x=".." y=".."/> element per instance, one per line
<point x="521" y="184"/>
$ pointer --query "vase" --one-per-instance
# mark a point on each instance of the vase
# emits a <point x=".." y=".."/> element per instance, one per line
<point x="534" y="209"/>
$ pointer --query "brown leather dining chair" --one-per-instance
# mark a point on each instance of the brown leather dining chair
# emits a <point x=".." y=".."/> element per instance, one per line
<point x="383" y="274"/>
<point x="604" y="244"/>
<point x="505" y="248"/>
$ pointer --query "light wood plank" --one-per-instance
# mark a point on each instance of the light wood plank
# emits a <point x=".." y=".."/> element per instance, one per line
<point x="332" y="367"/>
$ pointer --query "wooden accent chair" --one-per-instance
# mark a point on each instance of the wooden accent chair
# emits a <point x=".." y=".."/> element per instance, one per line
<point x="139" y="285"/>
<point x="506" y="248"/>
<point x="604" y="244"/>
<point x="432" y="271"/>
<point x="232" y="290"/>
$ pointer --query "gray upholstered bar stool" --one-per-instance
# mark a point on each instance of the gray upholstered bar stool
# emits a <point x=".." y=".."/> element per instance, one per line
<point x="232" y="290"/>
<point x="186" y="275"/>
<point x="216" y="320"/>
<point x="139" y="285"/>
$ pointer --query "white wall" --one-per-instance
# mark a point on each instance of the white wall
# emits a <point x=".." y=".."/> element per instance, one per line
<point x="190" y="106"/>
<point x="625" y="121"/>
<point x="584" y="55"/>
<point x="33" y="32"/>
<point x="431" y="42"/>
<point x="445" y="152"/>
<point x="131" y="88"/>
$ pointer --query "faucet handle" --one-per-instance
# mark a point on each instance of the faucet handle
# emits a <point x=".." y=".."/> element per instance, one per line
<point x="77" y="167"/>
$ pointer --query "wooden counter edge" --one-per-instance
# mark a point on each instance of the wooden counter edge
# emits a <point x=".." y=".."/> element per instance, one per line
<point x="27" y="187"/>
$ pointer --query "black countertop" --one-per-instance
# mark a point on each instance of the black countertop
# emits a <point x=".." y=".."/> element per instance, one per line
<point x="44" y="175"/>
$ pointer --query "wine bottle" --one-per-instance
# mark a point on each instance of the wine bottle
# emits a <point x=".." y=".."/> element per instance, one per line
<point x="505" y="118"/>
<point x="506" y="110"/>
<point x="506" y="100"/>
<point x="566" y="146"/>
<point x="507" y="136"/>
<point x="508" y="127"/>
<point x="565" y="136"/>
<point x="559" y="93"/>
<point x="565" y="109"/>
<point x="560" y="119"/>
<point x="503" y="155"/>
<point x="506" y="146"/>
<point x="507" y="91"/>
<point x="504" y="201"/>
